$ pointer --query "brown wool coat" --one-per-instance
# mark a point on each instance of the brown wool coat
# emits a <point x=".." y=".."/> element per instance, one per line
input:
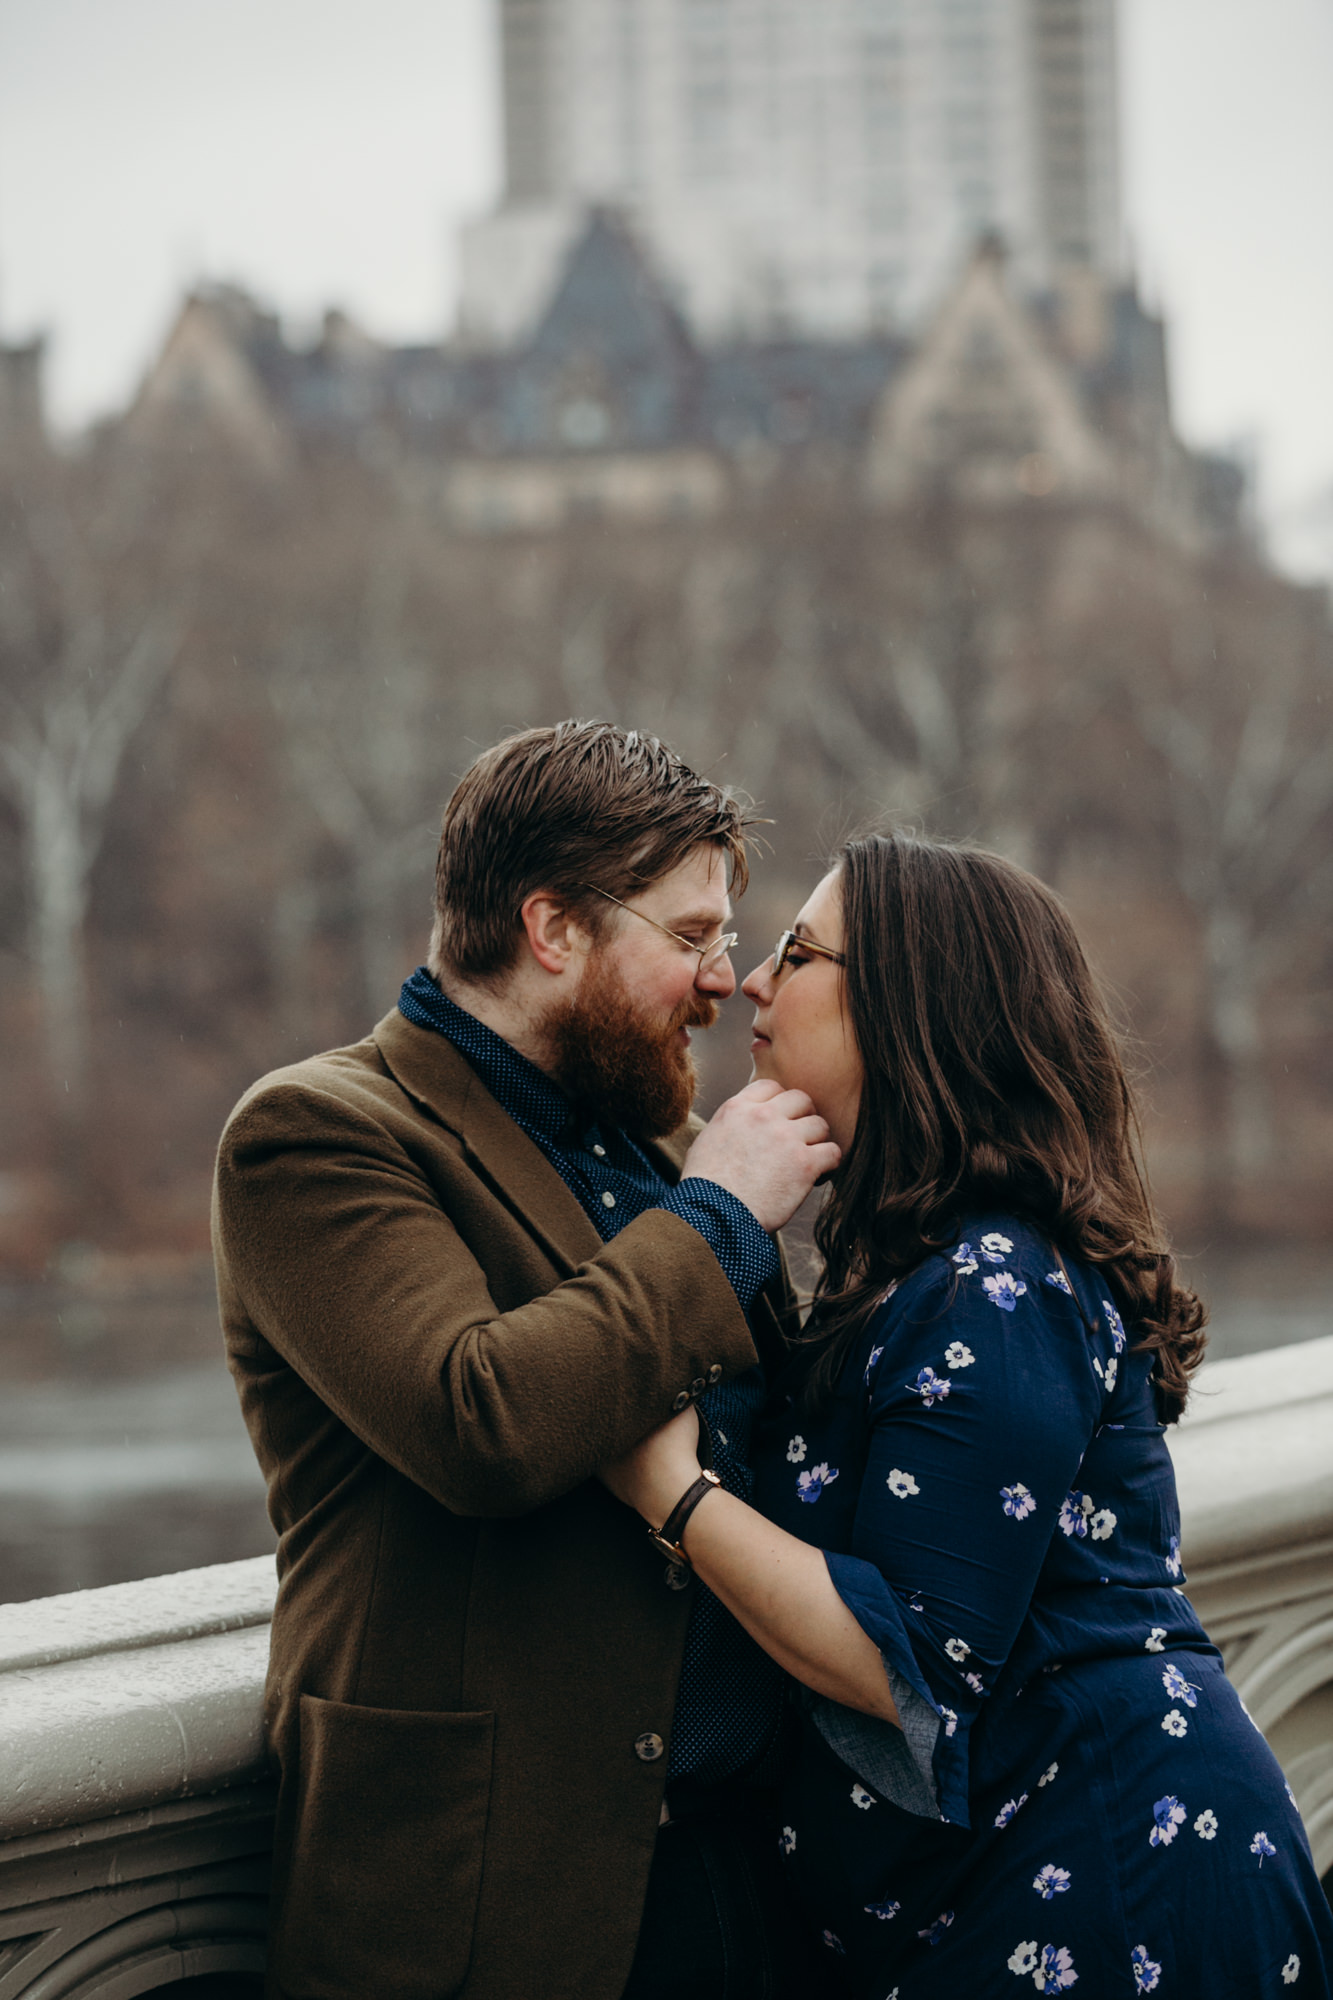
<point x="434" y="1352"/>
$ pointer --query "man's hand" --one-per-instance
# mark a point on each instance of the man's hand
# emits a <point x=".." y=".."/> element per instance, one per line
<point x="767" y="1146"/>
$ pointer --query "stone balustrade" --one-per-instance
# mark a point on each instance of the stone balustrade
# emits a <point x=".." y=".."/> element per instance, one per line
<point x="136" y="1809"/>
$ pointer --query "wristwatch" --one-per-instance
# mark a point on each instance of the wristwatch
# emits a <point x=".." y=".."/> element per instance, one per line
<point x="667" y="1541"/>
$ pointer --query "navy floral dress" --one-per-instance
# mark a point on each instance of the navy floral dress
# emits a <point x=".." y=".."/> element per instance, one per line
<point x="1077" y="1797"/>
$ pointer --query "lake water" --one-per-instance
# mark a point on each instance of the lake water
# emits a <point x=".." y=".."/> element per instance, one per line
<point x="122" y="1452"/>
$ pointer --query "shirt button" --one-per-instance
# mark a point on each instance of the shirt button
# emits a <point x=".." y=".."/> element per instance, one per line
<point x="608" y="1199"/>
<point x="680" y="1402"/>
<point x="648" y="1747"/>
<point x="600" y="1151"/>
<point x="715" y="1373"/>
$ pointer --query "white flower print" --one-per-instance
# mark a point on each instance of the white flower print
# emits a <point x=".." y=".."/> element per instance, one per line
<point x="957" y="1649"/>
<point x="995" y="1248"/>
<point x="976" y="1683"/>
<point x="1109" y="1377"/>
<point x="1153" y="1642"/>
<point x="1173" y="1557"/>
<point x="1018" y="1502"/>
<point x="811" y="1484"/>
<point x="1054" y="1971"/>
<point x="1050" y="1881"/>
<point x="1178" y="1688"/>
<point x="885" y="1911"/>
<point x="875" y="1353"/>
<point x="1047" y="1774"/>
<point x="834" y="1942"/>
<point x="963" y="1260"/>
<point x="950" y="1720"/>
<point x="1008" y="1809"/>
<point x="1146" y="1970"/>
<point x="1116" y="1324"/>
<point x="1004" y="1290"/>
<point x="934" y="1932"/>
<point x="930" y="1387"/>
<point x="956" y="1355"/>
<point x="1168" y="1817"/>
<point x="1023" y="1958"/>
<point x="1290" y="1794"/>
<point x="796" y="1449"/>
<point x="1074" y="1511"/>
<point x="1174" y="1723"/>
<point x="1102" y="1524"/>
<point x="787" y="1840"/>
<point x="1206" y="1824"/>
<point x="1061" y="1283"/>
<point x="861" y="1797"/>
<point x="901" y="1484"/>
<point x="1291" y="1971"/>
<point x="1262" y="1846"/>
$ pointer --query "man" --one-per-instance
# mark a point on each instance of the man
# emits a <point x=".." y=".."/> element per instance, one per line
<point x="462" y="1265"/>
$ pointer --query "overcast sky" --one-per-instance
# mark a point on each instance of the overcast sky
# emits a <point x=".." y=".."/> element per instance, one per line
<point x="323" y="152"/>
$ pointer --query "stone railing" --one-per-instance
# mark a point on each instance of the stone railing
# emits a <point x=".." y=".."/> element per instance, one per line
<point x="136" y="1811"/>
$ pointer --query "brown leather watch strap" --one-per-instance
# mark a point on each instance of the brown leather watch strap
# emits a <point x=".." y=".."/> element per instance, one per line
<point x="668" y="1538"/>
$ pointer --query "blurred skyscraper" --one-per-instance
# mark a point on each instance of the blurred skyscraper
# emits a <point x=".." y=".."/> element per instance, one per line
<point x="822" y="166"/>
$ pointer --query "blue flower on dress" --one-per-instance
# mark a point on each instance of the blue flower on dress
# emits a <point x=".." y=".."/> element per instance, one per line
<point x="934" y="1932"/>
<point x="1054" y="1970"/>
<point x="809" y="1485"/>
<point x="1262" y="1846"/>
<point x="1146" y="1970"/>
<point x="875" y="1353"/>
<point x="1003" y="1291"/>
<point x="1173" y="1557"/>
<point x="1074" y="1511"/>
<point x="995" y="1248"/>
<point x="884" y="1911"/>
<point x="1116" y="1324"/>
<point x="1051" y="1881"/>
<point x="963" y="1260"/>
<point x="1018" y="1502"/>
<point x="1178" y="1688"/>
<point x="1008" y="1809"/>
<point x="1061" y="1283"/>
<point x="1168" y="1817"/>
<point x="930" y="1387"/>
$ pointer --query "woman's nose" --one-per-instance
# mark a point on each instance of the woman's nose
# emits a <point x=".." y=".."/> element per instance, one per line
<point x="753" y="984"/>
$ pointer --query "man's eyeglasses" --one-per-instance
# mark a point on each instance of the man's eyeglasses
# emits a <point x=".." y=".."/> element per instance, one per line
<point x="791" y="941"/>
<point x="710" y="954"/>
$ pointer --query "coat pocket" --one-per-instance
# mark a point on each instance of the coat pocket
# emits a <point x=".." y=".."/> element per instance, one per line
<point x="386" y="1858"/>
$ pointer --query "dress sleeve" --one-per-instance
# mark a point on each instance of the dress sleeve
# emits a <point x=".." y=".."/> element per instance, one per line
<point x="983" y="1396"/>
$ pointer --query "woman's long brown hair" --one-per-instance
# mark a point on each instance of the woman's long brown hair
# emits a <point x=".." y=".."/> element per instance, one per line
<point x="994" y="1079"/>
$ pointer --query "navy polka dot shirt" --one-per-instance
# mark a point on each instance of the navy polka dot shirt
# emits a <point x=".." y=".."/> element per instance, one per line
<point x="729" y="1705"/>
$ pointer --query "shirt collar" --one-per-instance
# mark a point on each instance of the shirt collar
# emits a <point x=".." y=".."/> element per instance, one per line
<point x="527" y="1093"/>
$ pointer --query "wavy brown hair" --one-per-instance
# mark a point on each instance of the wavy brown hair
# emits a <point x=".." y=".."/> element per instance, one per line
<point x="994" y="1078"/>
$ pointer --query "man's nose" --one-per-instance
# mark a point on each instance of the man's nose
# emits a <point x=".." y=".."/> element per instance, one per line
<point x="719" y="978"/>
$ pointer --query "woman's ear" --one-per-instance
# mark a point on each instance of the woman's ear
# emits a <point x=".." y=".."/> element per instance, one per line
<point x="556" y="939"/>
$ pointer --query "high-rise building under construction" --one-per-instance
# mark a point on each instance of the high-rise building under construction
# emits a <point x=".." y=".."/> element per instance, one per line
<point x="818" y="165"/>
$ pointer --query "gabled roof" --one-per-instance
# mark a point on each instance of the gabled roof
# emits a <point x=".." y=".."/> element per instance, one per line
<point x="610" y="303"/>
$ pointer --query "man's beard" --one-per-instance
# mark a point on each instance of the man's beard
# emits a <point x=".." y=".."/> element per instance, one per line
<point x="621" y="1065"/>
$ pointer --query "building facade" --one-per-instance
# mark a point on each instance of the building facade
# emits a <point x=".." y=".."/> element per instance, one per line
<point x="821" y="170"/>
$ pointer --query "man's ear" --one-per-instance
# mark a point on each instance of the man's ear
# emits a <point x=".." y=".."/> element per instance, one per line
<point x="556" y="939"/>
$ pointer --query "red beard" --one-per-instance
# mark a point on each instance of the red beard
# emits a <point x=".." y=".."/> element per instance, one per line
<point x="620" y="1065"/>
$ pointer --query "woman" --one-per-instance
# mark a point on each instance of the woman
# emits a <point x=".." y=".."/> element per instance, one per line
<point x="1020" y="1758"/>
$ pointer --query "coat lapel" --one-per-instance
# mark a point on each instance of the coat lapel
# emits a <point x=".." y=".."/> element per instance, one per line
<point x="437" y="1077"/>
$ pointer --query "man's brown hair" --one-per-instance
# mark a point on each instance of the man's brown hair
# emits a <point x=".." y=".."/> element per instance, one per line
<point x="574" y="808"/>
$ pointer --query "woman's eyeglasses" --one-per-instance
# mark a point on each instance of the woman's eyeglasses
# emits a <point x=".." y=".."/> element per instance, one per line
<point x="791" y="941"/>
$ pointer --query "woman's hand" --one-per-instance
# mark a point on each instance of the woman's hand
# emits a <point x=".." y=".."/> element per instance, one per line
<point x="659" y="1470"/>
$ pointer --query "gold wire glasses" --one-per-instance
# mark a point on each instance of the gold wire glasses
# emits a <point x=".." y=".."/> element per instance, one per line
<point x="710" y="954"/>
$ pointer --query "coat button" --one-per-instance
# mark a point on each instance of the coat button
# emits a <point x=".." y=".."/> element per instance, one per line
<point x="680" y="1402"/>
<point x="715" y="1374"/>
<point x="697" y="1386"/>
<point x="648" y="1747"/>
<point x="676" y="1577"/>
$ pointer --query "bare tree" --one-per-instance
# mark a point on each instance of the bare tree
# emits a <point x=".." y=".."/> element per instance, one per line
<point x="80" y="672"/>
